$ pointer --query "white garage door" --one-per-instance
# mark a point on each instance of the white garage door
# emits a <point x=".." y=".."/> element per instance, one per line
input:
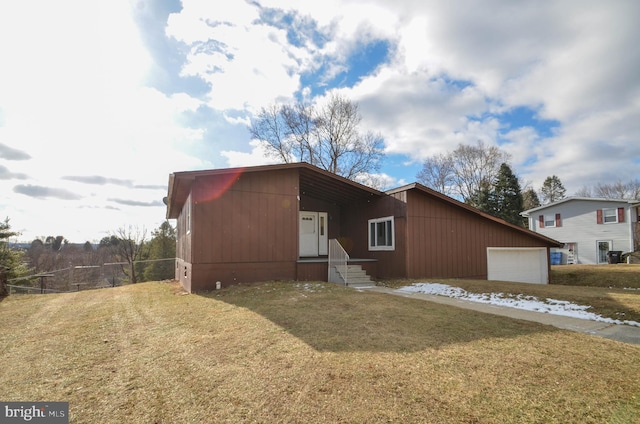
<point x="522" y="265"/>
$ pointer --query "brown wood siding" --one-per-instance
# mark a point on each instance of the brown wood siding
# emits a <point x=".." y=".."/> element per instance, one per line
<point x="312" y="271"/>
<point x="355" y="228"/>
<point x="205" y="276"/>
<point x="316" y="205"/>
<point x="250" y="219"/>
<point x="183" y="274"/>
<point x="450" y="242"/>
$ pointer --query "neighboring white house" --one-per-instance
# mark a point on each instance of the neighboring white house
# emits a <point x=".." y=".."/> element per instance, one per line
<point x="588" y="227"/>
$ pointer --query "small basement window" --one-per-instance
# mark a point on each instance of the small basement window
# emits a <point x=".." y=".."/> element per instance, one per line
<point x="381" y="234"/>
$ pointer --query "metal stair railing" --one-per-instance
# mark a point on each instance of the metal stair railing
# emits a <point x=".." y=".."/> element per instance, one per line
<point x="338" y="263"/>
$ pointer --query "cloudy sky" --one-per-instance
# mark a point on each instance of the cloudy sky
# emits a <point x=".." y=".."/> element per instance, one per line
<point x="101" y="101"/>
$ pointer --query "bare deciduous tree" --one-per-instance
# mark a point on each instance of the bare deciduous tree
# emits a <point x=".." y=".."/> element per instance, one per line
<point x="465" y="171"/>
<point x="584" y="191"/>
<point x="328" y="137"/>
<point x="619" y="190"/>
<point x="131" y="247"/>
<point x="438" y="173"/>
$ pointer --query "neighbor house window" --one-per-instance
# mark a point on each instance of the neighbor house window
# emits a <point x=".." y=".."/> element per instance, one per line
<point x="381" y="234"/>
<point x="610" y="215"/>
<point x="549" y="221"/>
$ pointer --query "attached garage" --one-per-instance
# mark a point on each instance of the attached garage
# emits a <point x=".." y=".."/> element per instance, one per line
<point x="522" y="265"/>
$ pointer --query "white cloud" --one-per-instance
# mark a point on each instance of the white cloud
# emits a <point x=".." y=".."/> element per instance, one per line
<point x="419" y="115"/>
<point x="247" y="64"/>
<point x="73" y="95"/>
<point x="74" y="100"/>
<point x="257" y="156"/>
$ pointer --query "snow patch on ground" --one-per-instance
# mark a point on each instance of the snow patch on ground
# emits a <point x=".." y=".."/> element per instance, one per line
<point x="311" y="287"/>
<point x="529" y="303"/>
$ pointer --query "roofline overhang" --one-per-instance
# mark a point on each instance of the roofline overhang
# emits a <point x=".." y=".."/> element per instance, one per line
<point x="187" y="177"/>
<point x="632" y="202"/>
<point x="445" y="198"/>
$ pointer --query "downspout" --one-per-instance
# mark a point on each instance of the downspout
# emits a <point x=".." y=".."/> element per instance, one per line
<point x="548" y="265"/>
<point x="631" y="232"/>
<point x="634" y="229"/>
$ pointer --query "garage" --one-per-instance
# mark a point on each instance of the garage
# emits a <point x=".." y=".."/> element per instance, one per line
<point x="521" y="265"/>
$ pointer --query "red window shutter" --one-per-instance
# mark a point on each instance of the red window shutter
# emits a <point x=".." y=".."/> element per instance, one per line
<point x="541" y="221"/>
<point x="599" y="216"/>
<point x="558" y="220"/>
<point x="620" y="214"/>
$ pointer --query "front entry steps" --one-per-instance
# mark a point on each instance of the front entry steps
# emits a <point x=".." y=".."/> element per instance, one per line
<point x="356" y="277"/>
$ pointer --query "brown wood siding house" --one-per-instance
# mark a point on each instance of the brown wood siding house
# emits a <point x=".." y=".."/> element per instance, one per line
<point x="249" y="224"/>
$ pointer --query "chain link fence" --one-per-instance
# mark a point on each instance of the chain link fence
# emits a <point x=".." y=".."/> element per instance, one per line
<point x="76" y="278"/>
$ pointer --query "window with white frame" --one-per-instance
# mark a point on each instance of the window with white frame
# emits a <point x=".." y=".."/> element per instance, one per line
<point x="186" y="210"/>
<point x="549" y="221"/>
<point x="381" y="234"/>
<point x="610" y="215"/>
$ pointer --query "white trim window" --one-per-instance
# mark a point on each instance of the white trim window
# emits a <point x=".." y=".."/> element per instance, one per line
<point x="549" y="221"/>
<point x="187" y="213"/>
<point x="610" y="216"/>
<point x="382" y="234"/>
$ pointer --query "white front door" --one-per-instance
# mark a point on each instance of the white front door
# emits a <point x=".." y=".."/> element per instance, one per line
<point x="308" y="234"/>
<point x="314" y="237"/>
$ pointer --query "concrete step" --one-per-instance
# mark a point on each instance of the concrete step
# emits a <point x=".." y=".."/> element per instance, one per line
<point x="357" y="277"/>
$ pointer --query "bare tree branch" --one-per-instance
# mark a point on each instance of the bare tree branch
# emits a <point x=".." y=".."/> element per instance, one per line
<point x="131" y="248"/>
<point x="438" y="173"/>
<point x="328" y="137"/>
<point x="465" y="171"/>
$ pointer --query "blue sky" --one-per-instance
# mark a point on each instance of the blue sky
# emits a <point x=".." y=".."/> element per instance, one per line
<point x="101" y="101"/>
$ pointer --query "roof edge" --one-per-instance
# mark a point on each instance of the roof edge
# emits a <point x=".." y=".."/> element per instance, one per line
<point x="444" y="197"/>
<point x="187" y="177"/>
<point x="579" y="198"/>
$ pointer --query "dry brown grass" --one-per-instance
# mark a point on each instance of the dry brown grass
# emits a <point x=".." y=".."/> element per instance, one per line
<point x="616" y="276"/>
<point x="296" y="352"/>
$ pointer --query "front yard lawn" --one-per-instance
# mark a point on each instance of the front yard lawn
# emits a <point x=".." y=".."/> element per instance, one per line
<point x="303" y="352"/>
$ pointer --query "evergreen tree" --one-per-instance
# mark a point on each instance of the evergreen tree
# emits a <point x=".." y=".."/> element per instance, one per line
<point x="483" y="198"/>
<point x="161" y="246"/>
<point x="552" y="190"/>
<point x="11" y="261"/>
<point x="506" y="198"/>
<point x="530" y="199"/>
<point x="109" y="242"/>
